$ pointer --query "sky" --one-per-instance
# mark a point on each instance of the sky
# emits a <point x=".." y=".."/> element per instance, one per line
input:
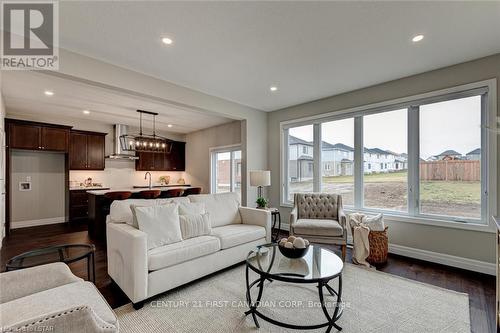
<point x="454" y="124"/>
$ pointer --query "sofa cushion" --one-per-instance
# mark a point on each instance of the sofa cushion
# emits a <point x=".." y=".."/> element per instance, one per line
<point x="317" y="227"/>
<point x="160" y="223"/>
<point x="188" y="208"/>
<point x="222" y="207"/>
<point x="119" y="211"/>
<point x="236" y="234"/>
<point x="194" y="225"/>
<point x="172" y="254"/>
<point x="56" y="299"/>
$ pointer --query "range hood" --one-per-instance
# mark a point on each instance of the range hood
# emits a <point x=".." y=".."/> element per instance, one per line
<point x="118" y="152"/>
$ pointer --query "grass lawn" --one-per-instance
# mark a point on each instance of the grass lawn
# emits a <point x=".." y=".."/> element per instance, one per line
<point x="437" y="191"/>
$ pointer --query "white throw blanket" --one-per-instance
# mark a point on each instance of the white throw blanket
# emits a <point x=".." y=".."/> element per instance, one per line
<point x="361" y="245"/>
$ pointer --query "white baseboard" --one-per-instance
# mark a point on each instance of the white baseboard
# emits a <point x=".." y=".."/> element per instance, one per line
<point x="32" y="223"/>
<point x="435" y="257"/>
<point x="444" y="259"/>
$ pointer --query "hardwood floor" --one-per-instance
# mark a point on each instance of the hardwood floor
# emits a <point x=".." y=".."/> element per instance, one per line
<point x="480" y="287"/>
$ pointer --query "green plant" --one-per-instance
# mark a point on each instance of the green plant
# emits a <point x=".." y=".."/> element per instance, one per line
<point x="261" y="202"/>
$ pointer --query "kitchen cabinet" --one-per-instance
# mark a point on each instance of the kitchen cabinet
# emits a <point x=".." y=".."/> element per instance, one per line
<point x="37" y="136"/>
<point x="78" y="205"/>
<point x="86" y="150"/>
<point x="173" y="161"/>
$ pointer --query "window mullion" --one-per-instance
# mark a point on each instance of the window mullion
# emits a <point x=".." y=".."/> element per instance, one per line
<point x="317" y="158"/>
<point x="358" y="162"/>
<point x="413" y="160"/>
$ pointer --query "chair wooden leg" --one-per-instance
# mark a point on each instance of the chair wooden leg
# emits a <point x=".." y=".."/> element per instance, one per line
<point x="344" y="247"/>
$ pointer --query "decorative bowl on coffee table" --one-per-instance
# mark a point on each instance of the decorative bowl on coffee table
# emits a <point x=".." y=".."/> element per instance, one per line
<point x="293" y="253"/>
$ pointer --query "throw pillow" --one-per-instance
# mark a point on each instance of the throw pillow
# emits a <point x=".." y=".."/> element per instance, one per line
<point x="160" y="223"/>
<point x="194" y="225"/>
<point x="375" y="223"/>
<point x="192" y="208"/>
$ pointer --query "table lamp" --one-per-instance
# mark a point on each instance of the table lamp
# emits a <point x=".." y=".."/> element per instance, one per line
<point x="260" y="178"/>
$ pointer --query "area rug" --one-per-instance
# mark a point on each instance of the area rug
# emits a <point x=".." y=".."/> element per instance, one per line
<point x="374" y="302"/>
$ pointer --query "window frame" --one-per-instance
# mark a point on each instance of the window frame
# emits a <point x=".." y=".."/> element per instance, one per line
<point x="487" y="89"/>
<point x="213" y="165"/>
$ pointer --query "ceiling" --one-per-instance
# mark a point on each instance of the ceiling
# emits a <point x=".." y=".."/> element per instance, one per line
<point x="23" y="93"/>
<point x="309" y="50"/>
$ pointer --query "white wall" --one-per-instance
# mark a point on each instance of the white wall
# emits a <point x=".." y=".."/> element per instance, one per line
<point x="45" y="203"/>
<point x="254" y="122"/>
<point x="472" y="245"/>
<point x="198" y="145"/>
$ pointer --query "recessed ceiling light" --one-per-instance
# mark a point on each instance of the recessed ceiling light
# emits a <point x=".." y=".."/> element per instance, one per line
<point x="417" y="38"/>
<point x="273" y="88"/>
<point x="166" y="40"/>
<point x="49" y="93"/>
<point x="170" y="125"/>
<point x="86" y="112"/>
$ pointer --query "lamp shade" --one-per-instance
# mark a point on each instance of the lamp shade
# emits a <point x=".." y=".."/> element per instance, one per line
<point x="260" y="178"/>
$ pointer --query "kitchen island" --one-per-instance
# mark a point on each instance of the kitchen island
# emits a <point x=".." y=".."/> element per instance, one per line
<point x="99" y="205"/>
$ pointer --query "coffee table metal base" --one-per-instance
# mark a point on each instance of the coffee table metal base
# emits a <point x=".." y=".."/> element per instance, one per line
<point x="331" y="319"/>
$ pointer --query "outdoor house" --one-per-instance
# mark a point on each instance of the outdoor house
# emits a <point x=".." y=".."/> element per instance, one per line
<point x="338" y="160"/>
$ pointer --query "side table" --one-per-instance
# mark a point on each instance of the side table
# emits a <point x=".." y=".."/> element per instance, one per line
<point x="275" y="213"/>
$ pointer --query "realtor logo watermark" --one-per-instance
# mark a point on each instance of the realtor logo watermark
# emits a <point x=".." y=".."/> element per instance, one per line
<point x="30" y="35"/>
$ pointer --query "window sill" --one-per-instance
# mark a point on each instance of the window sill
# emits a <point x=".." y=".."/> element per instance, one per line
<point x="488" y="228"/>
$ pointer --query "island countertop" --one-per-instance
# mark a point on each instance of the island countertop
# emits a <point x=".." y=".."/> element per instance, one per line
<point x="139" y="189"/>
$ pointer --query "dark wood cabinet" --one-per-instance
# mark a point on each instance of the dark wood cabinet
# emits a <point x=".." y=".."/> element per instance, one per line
<point x="86" y="150"/>
<point x="37" y="136"/>
<point x="55" y="139"/>
<point x="78" y="205"/>
<point x="173" y="161"/>
<point x="176" y="160"/>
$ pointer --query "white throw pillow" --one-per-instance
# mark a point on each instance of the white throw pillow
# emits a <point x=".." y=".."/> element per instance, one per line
<point x="194" y="225"/>
<point x="375" y="223"/>
<point x="160" y="223"/>
<point x="192" y="208"/>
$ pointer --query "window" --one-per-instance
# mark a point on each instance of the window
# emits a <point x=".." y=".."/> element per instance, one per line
<point x="421" y="158"/>
<point x="386" y="133"/>
<point x="226" y="170"/>
<point x="300" y="161"/>
<point x="450" y="184"/>
<point x="337" y="141"/>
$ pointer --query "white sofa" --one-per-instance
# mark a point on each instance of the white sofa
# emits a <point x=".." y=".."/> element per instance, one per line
<point x="142" y="274"/>
<point x="49" y="298"/>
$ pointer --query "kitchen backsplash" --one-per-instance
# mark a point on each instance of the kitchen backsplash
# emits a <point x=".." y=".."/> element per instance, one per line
<point x="119" y="174"/>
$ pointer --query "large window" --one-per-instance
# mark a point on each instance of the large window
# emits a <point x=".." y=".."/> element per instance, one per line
<point x="450" y="158"/>
<point x="423" y="157"/>
<point x="300" y="160"/>
<point x="385" y="137"/>
<point x="337" y="158"/>
<point x="226" y="170"/>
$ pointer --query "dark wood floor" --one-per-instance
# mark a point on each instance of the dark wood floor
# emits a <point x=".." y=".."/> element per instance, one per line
<point x="480" y="287"/>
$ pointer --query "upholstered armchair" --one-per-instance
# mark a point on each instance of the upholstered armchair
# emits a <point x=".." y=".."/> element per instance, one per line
<point x="319" y="218"/>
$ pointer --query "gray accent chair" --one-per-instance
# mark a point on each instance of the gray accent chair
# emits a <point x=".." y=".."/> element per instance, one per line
<point x="319" y="218"/>
<point x="49" y="298"/>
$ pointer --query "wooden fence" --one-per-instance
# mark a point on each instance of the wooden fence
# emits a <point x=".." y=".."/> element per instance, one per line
<point x="453" y="170"/>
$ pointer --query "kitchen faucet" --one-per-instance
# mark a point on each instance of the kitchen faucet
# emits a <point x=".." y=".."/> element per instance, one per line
<point x="146" y="177"/>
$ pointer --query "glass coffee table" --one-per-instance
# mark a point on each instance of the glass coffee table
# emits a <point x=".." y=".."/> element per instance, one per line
<point x="66" y="253"/>
<point x="319" y="266"/>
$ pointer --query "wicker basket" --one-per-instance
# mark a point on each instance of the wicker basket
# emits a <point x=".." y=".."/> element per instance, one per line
<point x="379" y="247"/>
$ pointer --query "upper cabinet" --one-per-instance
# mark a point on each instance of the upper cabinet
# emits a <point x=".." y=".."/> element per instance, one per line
<point x="173" y="161"/>
<point x="86" y="150"/>
<point x="37" y="136"/>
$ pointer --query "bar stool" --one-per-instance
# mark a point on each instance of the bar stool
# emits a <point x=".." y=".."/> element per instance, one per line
<point x="150" y="194"/>
<point x="192" y="190"/>
<point x="118" y="195"/>
<point x="174" y="192"/>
